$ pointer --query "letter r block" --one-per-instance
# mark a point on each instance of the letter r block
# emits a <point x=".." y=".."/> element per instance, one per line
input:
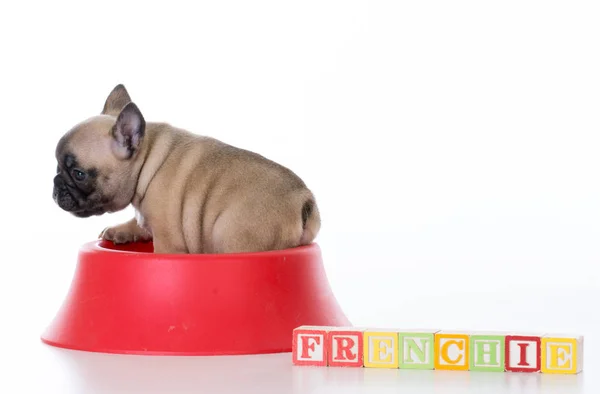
<point x="523" y="353"/>
<point x="345" y="347"/>
<point x="309" y="345"/>
<point x="451" y="351"/>
<point x="562" y="354"/>
<point x="380" y="348"/>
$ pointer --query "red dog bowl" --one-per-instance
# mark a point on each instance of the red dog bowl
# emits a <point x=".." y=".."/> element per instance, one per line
<point x="126" y="299"/>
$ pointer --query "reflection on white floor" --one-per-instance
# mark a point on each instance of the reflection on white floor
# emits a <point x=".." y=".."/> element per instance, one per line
<point x="64" y="371"/>
<point x="34" y="367"/>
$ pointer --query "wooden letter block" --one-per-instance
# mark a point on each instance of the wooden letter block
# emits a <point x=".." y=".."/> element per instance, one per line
<point x="416" y="349"/>
<point x="345" y="347"/>
<point x="562" y="354"/>
<point x="451" y="351"/>
<point x="487" y="351"/>
<point x="308" y="345"/>
<point x="380" y="348"/>
<point x="523" y="352"/>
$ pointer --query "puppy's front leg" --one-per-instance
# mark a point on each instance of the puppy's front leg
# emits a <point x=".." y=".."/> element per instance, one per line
<point x="125" y="233"/>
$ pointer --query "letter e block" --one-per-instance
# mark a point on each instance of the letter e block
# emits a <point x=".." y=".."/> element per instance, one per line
<point x="380" y="348"/>
<point x="416" y="348"/>
<point x="487" y="351"/>
<point x="309" y="345"/>
<point x="345" y="347"/>
<point x="451" y="351"/>
<point x="523" y="352"/>
<point x="562" y="354"/>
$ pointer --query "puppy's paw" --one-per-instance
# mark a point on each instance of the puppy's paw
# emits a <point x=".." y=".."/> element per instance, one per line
<point x="125" y="233"/>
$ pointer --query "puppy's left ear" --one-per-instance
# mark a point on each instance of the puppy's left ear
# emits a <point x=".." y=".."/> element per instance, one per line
<point x="116" y="100"/>
<point x="128" y="132"/>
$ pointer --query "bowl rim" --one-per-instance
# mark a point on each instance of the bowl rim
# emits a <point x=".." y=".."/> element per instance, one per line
<point x="103" y="247"/>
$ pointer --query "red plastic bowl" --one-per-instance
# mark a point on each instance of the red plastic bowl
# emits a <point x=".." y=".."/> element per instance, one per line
<point x="128" y="300"/>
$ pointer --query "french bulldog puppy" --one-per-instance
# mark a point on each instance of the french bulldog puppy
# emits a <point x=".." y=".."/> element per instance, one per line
<point x="191" y="193"/>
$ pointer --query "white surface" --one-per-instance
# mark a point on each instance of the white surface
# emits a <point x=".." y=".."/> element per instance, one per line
<point x="452" y="147"/>
<point x="39" y="368"/>
<point x="73" y="372"/>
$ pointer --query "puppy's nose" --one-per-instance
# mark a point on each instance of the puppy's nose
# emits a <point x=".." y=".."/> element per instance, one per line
<point x="58" y="181"/>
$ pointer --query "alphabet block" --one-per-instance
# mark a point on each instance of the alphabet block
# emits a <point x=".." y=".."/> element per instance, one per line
<point x="345" y="347"/>
<point x="308" y="345"/>
<point x="435" y="349"/>
<point x="380" y="348"/>
<point x="416" y="348"/>
<point x="487" y="351"/>
<point x="451" y="350"/>
<point x="523" y="352"/>
<point x="562" y="354"/>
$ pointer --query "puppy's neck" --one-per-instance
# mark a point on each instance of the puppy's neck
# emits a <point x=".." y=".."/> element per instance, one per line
<point x="158" y="144"/>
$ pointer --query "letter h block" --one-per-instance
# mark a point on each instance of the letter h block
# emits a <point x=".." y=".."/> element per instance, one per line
<point x="487" y="351"/>
<point x="309" y="346"/>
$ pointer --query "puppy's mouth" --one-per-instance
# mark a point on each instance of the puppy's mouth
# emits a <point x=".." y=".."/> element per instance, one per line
<point x="72" y="200"/>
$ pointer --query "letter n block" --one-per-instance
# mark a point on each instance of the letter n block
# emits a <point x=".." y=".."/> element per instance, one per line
<point x="562" y="354"/>
<point x="416" y="349"/>
<point x="380" y="348"/>
<point x="309" y="346"/>
<point x="523" y="352"/>
<point x="451" y="351"/>
<point x="487" y="351"/>
<point x="345" y="347"/>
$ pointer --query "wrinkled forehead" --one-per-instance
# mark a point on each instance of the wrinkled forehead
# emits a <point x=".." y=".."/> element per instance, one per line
<point x="85" y="140"/>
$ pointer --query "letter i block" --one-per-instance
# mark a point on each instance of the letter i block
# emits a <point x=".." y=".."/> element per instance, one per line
<point x="451" y="350"/>
<point x="562" y="354"/>
<point x="308" y="345"/>
<point x="380" y="348"/>
<point x="416" y="349"/>
<point x="523" y="352"/>
<point x="345" y="347"/>
<point x="487" y="351"/>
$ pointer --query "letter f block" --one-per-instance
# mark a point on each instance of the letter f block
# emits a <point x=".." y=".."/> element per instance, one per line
<point x="309" y="347"/>
<point x="345" y="347"/>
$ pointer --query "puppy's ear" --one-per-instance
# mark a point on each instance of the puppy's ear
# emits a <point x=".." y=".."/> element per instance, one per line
<point x="128" y="132"/>
<point x="116" y="101"/>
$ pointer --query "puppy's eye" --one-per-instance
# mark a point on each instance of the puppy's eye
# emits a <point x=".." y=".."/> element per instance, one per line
<point x="79" y="175"/>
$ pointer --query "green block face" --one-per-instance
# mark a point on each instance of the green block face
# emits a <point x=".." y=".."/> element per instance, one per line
<point x="487" y="353"/>
<point x="416" y="350"/>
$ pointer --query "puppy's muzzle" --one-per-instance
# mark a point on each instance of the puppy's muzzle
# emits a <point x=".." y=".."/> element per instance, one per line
<point x="62" y="196"/>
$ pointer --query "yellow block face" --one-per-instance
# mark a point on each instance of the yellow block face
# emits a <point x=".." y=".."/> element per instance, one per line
<point x="380" y="349"/>
<point x="559" y="355"/>
<point x="451" y="352"/>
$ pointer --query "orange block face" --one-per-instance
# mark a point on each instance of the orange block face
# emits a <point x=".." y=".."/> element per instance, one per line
<point x="451" y="351"/>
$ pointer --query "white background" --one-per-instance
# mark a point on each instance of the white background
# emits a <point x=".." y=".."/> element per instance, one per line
<point x="452" y="146"/>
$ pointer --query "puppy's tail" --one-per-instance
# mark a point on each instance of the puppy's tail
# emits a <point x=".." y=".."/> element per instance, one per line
<point x="311" y="220"/>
